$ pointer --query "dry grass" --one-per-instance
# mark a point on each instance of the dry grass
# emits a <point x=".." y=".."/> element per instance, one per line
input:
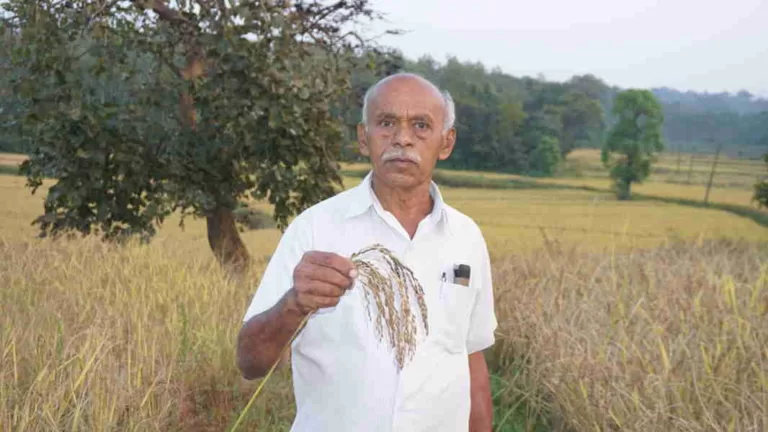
<point x="605" y="336"/>
<point x="671" y="161"/>
<point x="94" y="337"/>
<point x="659" y="188"/>
<point x="683" y="178"/>
<point x="668" y="339"/>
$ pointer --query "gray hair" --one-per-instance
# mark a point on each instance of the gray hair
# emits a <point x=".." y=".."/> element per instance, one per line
<point x="450" y="107"/>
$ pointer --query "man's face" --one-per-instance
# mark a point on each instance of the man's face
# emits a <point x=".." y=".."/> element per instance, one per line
<point x="404" y="138"/>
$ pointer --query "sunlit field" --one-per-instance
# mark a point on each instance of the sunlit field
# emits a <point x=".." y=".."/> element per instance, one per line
<point x="640" y="316"/>
<point x="672" y="167"/>
<point x="676" y="176"/>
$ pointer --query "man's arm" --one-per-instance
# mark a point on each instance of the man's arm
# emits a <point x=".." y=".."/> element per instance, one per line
<point x="264" y="336"/>
<point x="319" y="281"/>
<point x="481" y="413"/>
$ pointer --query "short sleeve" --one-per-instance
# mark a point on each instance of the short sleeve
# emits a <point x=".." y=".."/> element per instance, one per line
<point x="278" y="276"/>
<point x="483" y="318"/>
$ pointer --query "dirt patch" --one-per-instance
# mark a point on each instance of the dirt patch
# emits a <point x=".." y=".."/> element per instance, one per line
<point x="12" y="159"/>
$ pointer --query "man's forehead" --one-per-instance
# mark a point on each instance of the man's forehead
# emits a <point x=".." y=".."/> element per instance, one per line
<point x="407" y="95"/>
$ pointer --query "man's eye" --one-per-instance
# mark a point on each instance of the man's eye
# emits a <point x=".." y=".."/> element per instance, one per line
<point x="421" y="125"/>
<point x="386" y="123"/>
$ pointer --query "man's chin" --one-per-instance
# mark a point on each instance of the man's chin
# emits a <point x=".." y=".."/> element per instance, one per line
<point x="400" y="178"/>
<point x="400" y="168"/>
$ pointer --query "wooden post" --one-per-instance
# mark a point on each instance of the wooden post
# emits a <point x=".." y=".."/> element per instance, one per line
<point x="712" y="173"/>
<point x="690" y="168"/>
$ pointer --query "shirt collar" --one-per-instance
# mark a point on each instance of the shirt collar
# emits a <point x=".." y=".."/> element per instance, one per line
<point x="363" y="198"/>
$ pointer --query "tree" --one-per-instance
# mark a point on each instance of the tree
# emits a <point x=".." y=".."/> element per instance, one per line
<point x="8" y="103"/>
<point x="761" y="190"/>
<point x="582" y="119"/>
<point x="545" y="158"/>
<point x="635" y="139"/>
<point x="541" y="136"/>
<point x="138" y="109"/>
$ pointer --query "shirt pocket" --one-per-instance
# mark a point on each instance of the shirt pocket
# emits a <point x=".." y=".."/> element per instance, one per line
<point x="457" y="302"/>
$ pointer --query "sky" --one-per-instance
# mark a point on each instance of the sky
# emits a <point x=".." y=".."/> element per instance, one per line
<point x="699" y="45"/>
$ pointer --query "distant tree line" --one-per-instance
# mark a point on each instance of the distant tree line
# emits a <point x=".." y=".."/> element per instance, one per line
<point x="528" y="125"/>
<point x="693" y="130"/>
<point x="504" y="123"/>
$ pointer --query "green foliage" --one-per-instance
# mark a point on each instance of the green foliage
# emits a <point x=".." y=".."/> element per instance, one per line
<point x="761" y="190"/>
<point x="634" y="140"/>
<point x="100" y="109"/>
<point x="582" y="119"/>
<point x="8" y="103"/>
<point x="545" y="158"/>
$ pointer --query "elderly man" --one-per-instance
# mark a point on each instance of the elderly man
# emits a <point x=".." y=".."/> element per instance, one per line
<point x="344" y="378"/>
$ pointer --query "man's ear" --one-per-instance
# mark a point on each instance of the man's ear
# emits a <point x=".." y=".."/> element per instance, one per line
<point x="362" y="140"/>
<point x="449" y="141"/>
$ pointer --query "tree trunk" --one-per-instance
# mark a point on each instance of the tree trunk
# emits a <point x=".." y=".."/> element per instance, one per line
<point x="624" y="189"/>
<point x="225" y="241"/>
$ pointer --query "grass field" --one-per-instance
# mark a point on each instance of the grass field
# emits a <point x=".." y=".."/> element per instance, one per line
<point x="684" y="169"/>
<point x="643" y="315"/>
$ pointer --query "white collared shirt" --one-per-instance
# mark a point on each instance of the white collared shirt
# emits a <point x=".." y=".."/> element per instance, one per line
<point x="344" y="379"/>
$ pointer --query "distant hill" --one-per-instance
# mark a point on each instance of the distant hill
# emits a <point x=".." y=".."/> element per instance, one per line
<point x="742" y="102"/>
<point x="699" y="122"/>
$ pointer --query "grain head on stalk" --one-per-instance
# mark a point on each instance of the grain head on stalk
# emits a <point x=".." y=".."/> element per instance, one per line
<point x="391" y="290"/>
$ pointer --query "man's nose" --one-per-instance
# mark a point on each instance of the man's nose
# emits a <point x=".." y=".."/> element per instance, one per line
<point x="403" y="136"/>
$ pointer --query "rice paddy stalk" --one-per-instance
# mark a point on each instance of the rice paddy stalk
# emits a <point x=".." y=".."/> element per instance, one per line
<point x="269" y="374"/>
<point x="381" y="297"/>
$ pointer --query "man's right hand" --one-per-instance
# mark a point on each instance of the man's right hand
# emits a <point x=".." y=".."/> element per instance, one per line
<point x="320" y="279"/>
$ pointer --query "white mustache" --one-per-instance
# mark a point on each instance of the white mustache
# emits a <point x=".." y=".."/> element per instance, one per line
<point x="401" y="154"/>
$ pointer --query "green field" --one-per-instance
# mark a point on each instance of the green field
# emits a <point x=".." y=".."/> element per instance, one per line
<point x="647" y="314"/>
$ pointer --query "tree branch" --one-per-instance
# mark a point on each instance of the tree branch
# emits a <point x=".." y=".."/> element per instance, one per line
<point x="224" y="10"/>
<point x="104" y="6"/>
<point x="162" y="10"/>
<point x="324" y="14"/>
<point x="194" y="67"/>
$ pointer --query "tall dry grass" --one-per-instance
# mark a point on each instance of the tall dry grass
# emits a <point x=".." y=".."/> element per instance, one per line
<point x="95" y="337"/>
<point x="667" y="339"/>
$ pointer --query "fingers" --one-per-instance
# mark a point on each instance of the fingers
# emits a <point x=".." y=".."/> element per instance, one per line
<point x="321" y="278"/>
<point x="319" y="288"/>
<point x="326" y="275"/>
<point x="337" y="262"/>
<point x="309" y="303"/>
